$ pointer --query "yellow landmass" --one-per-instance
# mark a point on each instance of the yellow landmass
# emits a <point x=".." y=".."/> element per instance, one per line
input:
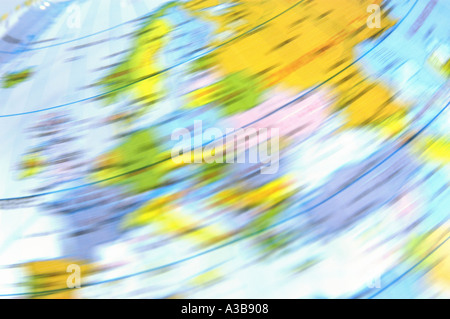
<point x="306" y="46"/>
<point x="139" y="75"/>
<point x="436" y="149"/>
<point x="52" y="275"/>
<point x="439" y="260"/>
<point x="168" y="218"/>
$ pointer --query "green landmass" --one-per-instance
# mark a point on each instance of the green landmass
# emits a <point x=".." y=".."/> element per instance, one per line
<point x="13" y="79"/>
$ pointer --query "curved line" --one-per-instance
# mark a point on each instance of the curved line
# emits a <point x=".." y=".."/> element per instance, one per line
<point x="261" y="230"/>
<point x="409" y="270"/>
<point x="251" y="123"/>
<point x="250" y="234"/>
<point x="137" y="19"/>
<point x="162" y="71"/>
<point x="148" y="14"/>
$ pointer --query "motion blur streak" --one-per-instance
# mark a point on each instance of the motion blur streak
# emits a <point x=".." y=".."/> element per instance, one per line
<point x="110" y="188"/>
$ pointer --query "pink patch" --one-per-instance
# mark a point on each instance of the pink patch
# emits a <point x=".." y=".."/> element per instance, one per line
<point x="297" y="120"/>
